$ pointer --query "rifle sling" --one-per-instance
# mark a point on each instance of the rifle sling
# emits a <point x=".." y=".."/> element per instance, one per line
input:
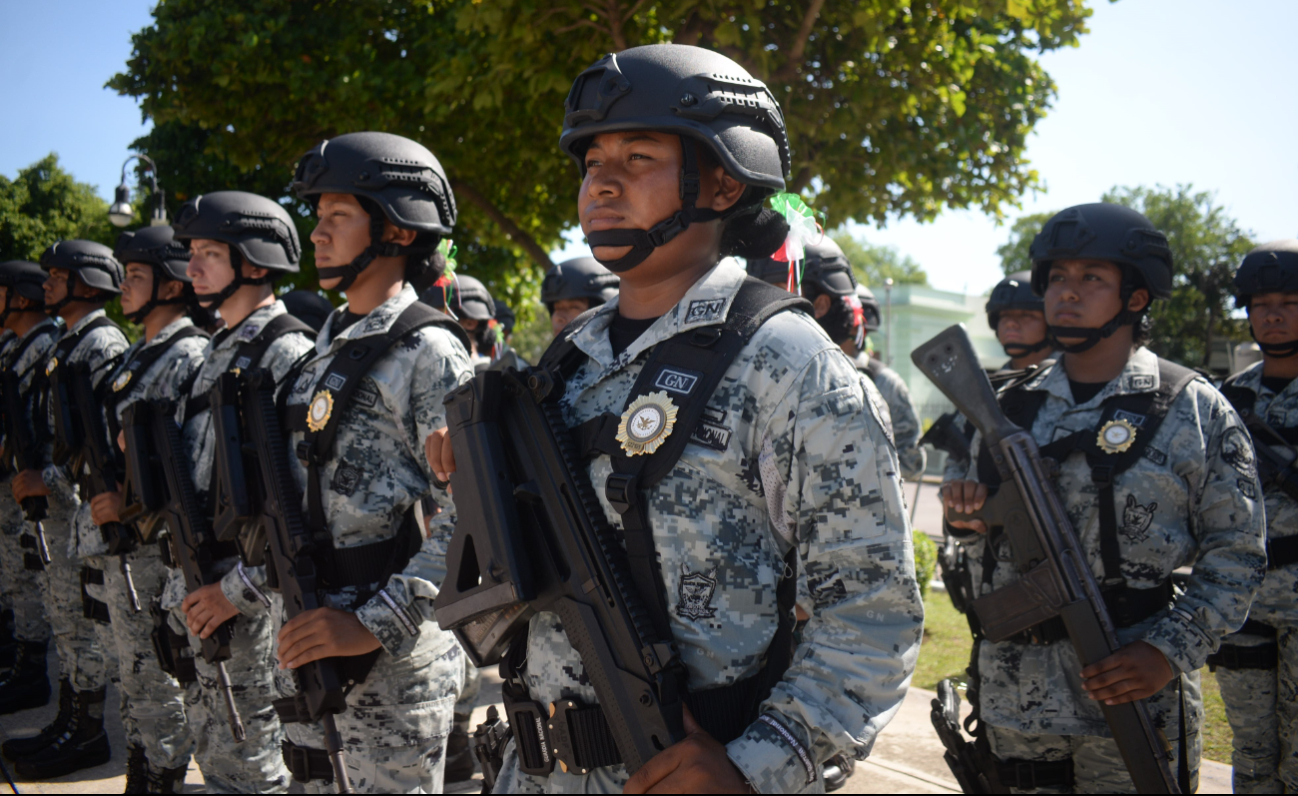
<point x="248" y="355"/>
<point x="139" y="363"/>
<point x="1281" y="552"/>
<point x="62" y="349"/>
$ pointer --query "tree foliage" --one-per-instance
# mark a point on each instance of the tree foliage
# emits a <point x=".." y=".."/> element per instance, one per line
<point x="893" y="108"/>
<point x="42" y="204"/>
<point x="871" y="264"/>
<point x="1014" y="253"/>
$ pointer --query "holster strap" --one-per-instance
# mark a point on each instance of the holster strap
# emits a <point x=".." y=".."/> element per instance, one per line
<point x="1127" y="607"/>
<point x="1033" y="774"/>
<point x="31" y="560"/>
<point x="1235" y="658"/>
<point x="307" y="764"/>
<point x="90" y="607"/>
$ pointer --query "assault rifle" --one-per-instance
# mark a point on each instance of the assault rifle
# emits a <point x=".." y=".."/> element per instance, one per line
<point x="291" y="544"/>
<point x="99" y="454"/>
<point x="154" y="427"/>
<point x="943" y="435"/>
<point x="22" y="449"/>
<point x="531" y="536"/>
<point x="1055" y="579"/>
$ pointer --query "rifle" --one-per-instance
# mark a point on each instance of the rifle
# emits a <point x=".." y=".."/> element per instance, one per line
<point x="971" y="764"/>
<point x="531" y="536"/>
<point x="22" y="448"/>
<point x="1275" y="456"/>
<point x="100" y="455"/>
<point x="1055" y="578"/>
<point x="944" y="436"/>
<point x="291" y="544"/>
<point x="191" y="539"/>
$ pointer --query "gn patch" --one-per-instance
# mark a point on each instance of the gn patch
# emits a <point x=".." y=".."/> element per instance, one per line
<point x="703" y="310"/>
<point x="677" y="380"/>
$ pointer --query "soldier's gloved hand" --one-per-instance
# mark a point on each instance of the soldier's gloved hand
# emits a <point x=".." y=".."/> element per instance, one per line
<point x="29" y="483"/>
<point x="207" y="609"/>
<point x="1136" y="671"/>
<point x="697" y="764"/>
<point x="106" y="507"/>
<point x="437" y="449"/>
<point x="322" y="633"/>
<point x="964" y="497"/>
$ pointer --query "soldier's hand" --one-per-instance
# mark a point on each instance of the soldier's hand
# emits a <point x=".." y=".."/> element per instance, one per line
<point x="106" y="507"/>
<point x="28" y="483"/>
<point x="1137" y="671"/>
<point x="964" y="497"/>
<point x="207" y="609"/>
<point x="697" y="764"/>
<point x="322" y="633"/>
<point x="437" y="448"/>
<point x="121" y="440"/>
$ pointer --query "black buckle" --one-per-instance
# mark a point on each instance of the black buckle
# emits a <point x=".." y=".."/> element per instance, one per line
<point x="1102" y="475"/>
<point x="293" y="710"/>
<point x="527" y="720"/>
<point x="307" y="764"/>
<point x="620" y="489"/>
<point x="303" y="451"/>
<point x="1028" y="782"/>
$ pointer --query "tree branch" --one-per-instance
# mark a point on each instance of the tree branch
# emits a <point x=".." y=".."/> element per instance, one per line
<point x="799" y="48"/>
<point x="511" y="230"/>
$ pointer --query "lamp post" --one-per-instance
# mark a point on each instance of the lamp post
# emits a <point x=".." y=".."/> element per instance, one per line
<point x="122" y="214"/>
<point x="887" y="292"/>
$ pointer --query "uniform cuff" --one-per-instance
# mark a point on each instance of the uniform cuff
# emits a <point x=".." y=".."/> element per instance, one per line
<point x="245" y="588"/>
<point x="57" y="481"/>
<point x="1182" y="640"/>
<point x="392" y="623"/>
<point x="774" y="756"/>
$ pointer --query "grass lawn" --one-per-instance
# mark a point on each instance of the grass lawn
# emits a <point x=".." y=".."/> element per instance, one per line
<point x="945" y="653"/>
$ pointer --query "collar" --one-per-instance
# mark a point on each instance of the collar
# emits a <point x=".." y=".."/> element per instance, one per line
<point x="378" y="322"/>
<point x="1251" y="379"/>
<point x="86" y="321"/>
<point x="40" y="328"/>
<point x="170" y="329"/>
<point x="706" y="303"/>
<point x="247" y="328"/>
<point x="1140" y="375"/>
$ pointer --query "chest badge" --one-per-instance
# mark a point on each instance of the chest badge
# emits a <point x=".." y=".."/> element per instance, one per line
<point x="317" y="414"/>
<point x="51" y="366"/>
<point x="122" y="380"/>
<point x="1116" y="436"/>
<point x="646" y="423"/>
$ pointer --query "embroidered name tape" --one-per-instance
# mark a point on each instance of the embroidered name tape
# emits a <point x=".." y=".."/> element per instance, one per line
<point x="678" y="381"/>
<point x="704" y="310"/>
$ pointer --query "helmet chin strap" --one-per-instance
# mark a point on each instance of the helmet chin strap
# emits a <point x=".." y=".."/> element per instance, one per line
<point x="154" y="302"/>
<point x="643" y="242"/>
<point x="53" y="309"/>
<point x="1092" y="337"/>
<point x="213" y="301"/>
<point x="376" y="249"/>
<point x="1017" y="350"/>
<point x="1278" y="350"/>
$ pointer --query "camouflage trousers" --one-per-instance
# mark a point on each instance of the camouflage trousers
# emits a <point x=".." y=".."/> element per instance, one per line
<point x="81" y="658"/>
<point x="1097" y="764"/>
<point x="20" y="587"/>
<point x="395" y="727"/>
<point x="256" y="765"/>
<point x="152" y="702"/>
<point x="471" y="688"/>
<point x="1262" y="708"/>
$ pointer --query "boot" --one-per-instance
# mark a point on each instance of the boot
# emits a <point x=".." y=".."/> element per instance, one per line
<point x="26" y="685"/>
<point x="137" y="770"/>
<point x="18" y="748"/>
<point x="836" y="771"/>
<point x="459" y="756"/>
<point x="82" y="744"/>
<point x="8" y="644"/>
<point x="168" y="780"/>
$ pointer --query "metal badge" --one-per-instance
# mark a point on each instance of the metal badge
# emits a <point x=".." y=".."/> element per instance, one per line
<point x="646" y="423"/>
<point x="317" y="414"/>
<point x="1116" y="436"/>
<point x="122" y="380"/>
<point x="53" y="363"/>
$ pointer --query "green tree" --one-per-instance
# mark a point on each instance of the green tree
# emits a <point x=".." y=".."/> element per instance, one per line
<point x="892" y="107"/>
<point x="1014" y="253"/>
<point x="873" y="264"/>
<point x="42" y="204"/>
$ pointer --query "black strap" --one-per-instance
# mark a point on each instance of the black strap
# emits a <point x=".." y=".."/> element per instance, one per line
<point x="65" y="346"/>
<point x="139" y="364"/>
<point x="1127" y="607"/>
<point x="40" y="333"/>
<point x="1235" y="657"/>
<point x="1282" y="552"/>
<point x="307" y="764"/>
<point x="246" y="356"/>
<point x="873" y="368"/>
<point x="1033" y="774"/>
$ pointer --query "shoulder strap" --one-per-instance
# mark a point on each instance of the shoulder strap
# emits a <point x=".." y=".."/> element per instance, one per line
<point x="562" y="354"/>
<point x="1242" y="398"/>
<point x="11" y="360"/>
<point x="873" y="368"/>
<point x="246" y="357"/>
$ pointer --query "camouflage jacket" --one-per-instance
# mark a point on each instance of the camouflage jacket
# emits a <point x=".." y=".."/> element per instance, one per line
<point x="798" y="456"/>
<point x="378" y="470"/>
<point x="243" y="586"/>
<point x="904" y="418"/>
<point x="27" y="367"/>
<point x="1277" y="601"/>
<point x="1190" y="499"/>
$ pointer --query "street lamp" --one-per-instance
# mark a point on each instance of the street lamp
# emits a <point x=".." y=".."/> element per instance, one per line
<point x="887" y="291"/>
<point x="122" y="214"/>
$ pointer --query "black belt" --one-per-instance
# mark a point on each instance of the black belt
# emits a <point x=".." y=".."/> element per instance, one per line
<point x="1127" y="607"/>
<point x="31" y="560"/>
<point x="371" y="563"/>
<point x="1281" y="552"/>
<point x="1259" y="656"/>
<point x="1033" y="774"/>
<point x="219" y="551"/>
<point x="307" y="764"/>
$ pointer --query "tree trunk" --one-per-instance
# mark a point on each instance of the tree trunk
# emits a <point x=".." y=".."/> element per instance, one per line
<point x="511" y="230"/>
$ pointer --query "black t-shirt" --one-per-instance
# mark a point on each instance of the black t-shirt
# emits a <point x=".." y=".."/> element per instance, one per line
<point x="1275" y="384"/>
<point x="343" y="322"/>
<point x="622" y="332"/>
<point x="1084" y="391"/>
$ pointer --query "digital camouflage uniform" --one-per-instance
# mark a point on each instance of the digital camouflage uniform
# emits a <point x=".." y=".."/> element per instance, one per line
<point x="81" y="658"/>
<point x="395" y="726"/>
<point x="25" y="586"/>
<point x="256" y="765"/>
<point x="902" y="415"/>
<point x="152" y="702"/>
<point x="1262" y="704"/>
<point x="1191" y="499"/>
<point x="10" y="523"/>
<point x="800" y="457"/>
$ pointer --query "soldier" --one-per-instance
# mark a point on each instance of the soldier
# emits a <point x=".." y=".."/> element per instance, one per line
<point x="82" y="277"/>
<point x="156" y="295"/>
<point x="8" y="647"/>
<point x="1017" y="316"/>
<point x="377" y="237"/>
<point x="1257" y="667"/>
<point x="792" y="478"/>
<point x="308" y="306"/>
<point x="241" y="244"/>
<point x="1156" y="472"/>
<point x="574" y="286"/>
<point x="475" y="309"/>
<point x="25" y="685"/>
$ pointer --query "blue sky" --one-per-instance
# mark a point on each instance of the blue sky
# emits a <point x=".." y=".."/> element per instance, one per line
<point x="1160" y="91"/>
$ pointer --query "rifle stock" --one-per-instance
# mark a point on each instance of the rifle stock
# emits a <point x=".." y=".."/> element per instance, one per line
<point x="1055" y="578"/>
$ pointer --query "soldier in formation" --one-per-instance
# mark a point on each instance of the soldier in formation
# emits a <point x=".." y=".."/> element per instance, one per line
<point x="1156" y="472"/>
<point x="574" y="286"/>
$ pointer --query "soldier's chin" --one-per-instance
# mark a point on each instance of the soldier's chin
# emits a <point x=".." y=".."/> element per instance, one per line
<point x="610" y="253"/>
<point x="331" y="283"/>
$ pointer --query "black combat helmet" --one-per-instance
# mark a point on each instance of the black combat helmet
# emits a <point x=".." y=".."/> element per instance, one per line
<point x="258" y="231"/>
<point x="578" y="278"/>
<point x="769" y="270"/>
<point x="92" y="263"/>
<point x="1269" y="268"/>
<point x="22" y="278"/>
<point x="705" y="98"/>
<point x="308" y="306"/>
<point x="870" y="308"/>
<point x="395" y="179"/>
<point x="157" y="248"/>
<point x="1111" y="233"/>
<point x="826" y="271"/>
<point x="1015" y="292"/>
<point x="505" y="317"/>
